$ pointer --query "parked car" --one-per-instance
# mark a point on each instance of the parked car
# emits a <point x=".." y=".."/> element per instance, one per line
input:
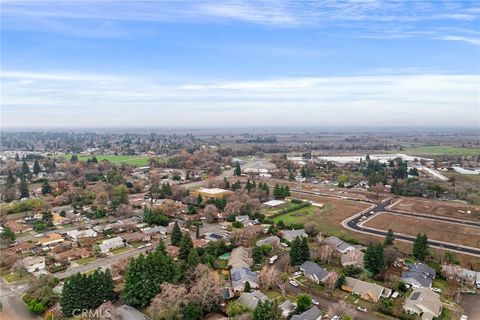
<point x="283" y="244"/>
<point x="437" y="290"/>
<point x="273" y="259"/>
<point x="315" y="302"/>
<point x="335" y="317"/>
<point x="294" y="283"/>
<point x="362" y="309"/>
<point x="464" y="317"/>
<point x="297" y="273"/>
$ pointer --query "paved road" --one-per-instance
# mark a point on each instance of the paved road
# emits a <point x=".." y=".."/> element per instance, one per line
<point x="104" y="262"/>
<point x="353" y="224"/>
<point x="13" y="308"/>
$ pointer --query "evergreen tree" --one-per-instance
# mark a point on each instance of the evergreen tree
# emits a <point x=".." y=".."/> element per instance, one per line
<point x="193" y="259"/>
<point x="24" y="192"/>
<point x="374" y="258"/>
<point x="161" y="249"/>
<point x="267" y="310"/>
<point x="389" y="239"/>
<point x="247" y="287"/>
<point x="144" y="276"/>
<point x="192" y="312"/>
<point x="186" y="245"/>
<point x="420" y="247"/>
<point x="94" y="160"/>
<point x="36" y="168"/>
<point x="199" y="200"/>
<point x="176" y="234"/>
<point x="10" y="180"/>
<point x="25" y="168"/>
<point x="46" y="188"/>
<point x="17" y="157"/>
<point x="74" y="158"/>
<point x="7" y="234"/>
<point x="227" y="183"/>
<point x="237" y="171"/>
<point x="197" y="231"/>
<point x="303" y="303"/>
<point x="296" y="254"/>
<point x="305" y="249"/>
<point x="276" y="191"/>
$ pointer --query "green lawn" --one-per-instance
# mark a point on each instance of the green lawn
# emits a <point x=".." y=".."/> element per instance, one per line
<point x="86" y="260"/>
<point x="272" y="211"/>
<point x="442" y="150"/>
<point x="440" y="283"/>
<point x="138" y="161"/>
<point x="296" y="216"/>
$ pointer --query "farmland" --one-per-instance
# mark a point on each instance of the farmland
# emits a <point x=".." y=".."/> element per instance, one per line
<point x="441" y="150"/>
<point x="441" y="208"/>
<point x="435" y="230"/>
<point x="137" y="161"/>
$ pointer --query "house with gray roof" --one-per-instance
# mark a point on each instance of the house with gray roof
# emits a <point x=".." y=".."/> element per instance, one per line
<point x="290" y="235"/>
<point x="313" y="271"/>
<point x="311" y="314"/>
<point x="251" y="299"/>
<point x="366" y="290"/>
<point x="340" y="245"/>
<point x="424" y="303"/>
<point x="287" y="308"/>
<point x="125" y="312"/>
<point x="419" y="276"/>
<point x="241" y="275"/>
<point x="272" y="240"/>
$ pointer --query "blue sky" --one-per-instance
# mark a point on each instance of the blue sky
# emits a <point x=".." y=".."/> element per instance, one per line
<point x="234" y="63"/>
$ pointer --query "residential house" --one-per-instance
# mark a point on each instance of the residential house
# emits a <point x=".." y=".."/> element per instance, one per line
<point x="125" y="312"/>
<point x="251" y="299"/>
<point x="419" y="276"/>
<point x="366" y="290"/>
<point x="240" y="257"/>
<point x="311" y="314"/>
<point x="33" y="264"/>
<point x="466" y="276"/>
<point x="216" y="236"/>
<point x="245" y="220"/>
<point x="111" y="244"/>
<point x="49" y="241"/>
<point x="313" y="271"/>
<point x="17" y="227"/>
<point x="290" y="235"/>
<point x="240" y="276"/>
<point x="57" y="219"/>
<point x="23" y="247"/>
<point x="424" y="303"/>
<point x="132" y="237"/>
<point x="155" y="230"/>
<point x="353" y="258"/>
<point x="287" y="308"/>
<point x="73" y="254"/>
<point x="272" y="240"/>
<point x="340" y="245"/>
<point x="77" y="234"/>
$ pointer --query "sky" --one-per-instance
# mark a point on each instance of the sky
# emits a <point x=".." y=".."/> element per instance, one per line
<point x="86" y="63"/>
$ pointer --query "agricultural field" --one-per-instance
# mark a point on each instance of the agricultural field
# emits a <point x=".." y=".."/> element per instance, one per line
<point x="435" y="230"/>
<point x="137" y="161"/>
<point x="441" y="208"/>
<point x="441" y="150"/>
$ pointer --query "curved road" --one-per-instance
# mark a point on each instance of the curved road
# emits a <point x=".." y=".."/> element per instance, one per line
<point x="353" y="223"/>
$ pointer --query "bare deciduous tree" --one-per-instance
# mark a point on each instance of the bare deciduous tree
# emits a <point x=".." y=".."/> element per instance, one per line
<point x="206" y="290"/>
<point x="331" y="281"/>
<point x="210" y="213"/>
<point x="340" y="308"/>
<point x="169" y="301"/>
<point x="268" y="277"/>
<point x="325" y="253"/>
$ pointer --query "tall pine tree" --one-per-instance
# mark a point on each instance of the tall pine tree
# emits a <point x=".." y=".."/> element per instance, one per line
<point x="176" y="234"/>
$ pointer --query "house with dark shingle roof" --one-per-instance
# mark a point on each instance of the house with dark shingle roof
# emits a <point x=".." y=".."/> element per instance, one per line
<point x="311" y="314"/>
<point x="419" y="276"/>
<point x="313" y="271"/>
<point x="241" y="275"/>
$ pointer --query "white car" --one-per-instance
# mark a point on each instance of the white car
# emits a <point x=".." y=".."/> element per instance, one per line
<point x="315" y="302"/>
<point x="464" y="317"/>
<point x="437" y="290"/>
<point x="283" y="244"/>
<point x="298" y="273"/>
<point x="273" y="259"/>
<point x="294" y="283"/>
<point x="335" y="318"/>
<point x="362" y="309"/>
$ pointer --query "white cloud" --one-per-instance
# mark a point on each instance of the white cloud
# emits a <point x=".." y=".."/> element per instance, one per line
<point x="471" y="40"/>
<point x="49" y="99"/>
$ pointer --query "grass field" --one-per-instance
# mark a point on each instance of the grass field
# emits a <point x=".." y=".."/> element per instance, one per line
<point x="442" y="150"/>
<point x="86" y="260"/>
<point x="295" y="216"/>
<point x="137" y="161"/>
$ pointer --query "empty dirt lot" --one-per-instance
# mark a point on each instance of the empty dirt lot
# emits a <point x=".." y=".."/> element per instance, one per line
<point x="442" y="208"/>
<point x="435" y="230"/>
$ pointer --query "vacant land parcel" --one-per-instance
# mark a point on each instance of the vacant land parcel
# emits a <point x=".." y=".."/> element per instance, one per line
<point x="441" y="208"/>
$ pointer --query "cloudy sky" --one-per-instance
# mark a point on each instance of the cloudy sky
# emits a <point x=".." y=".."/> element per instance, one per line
<point x="239" y="63"/>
